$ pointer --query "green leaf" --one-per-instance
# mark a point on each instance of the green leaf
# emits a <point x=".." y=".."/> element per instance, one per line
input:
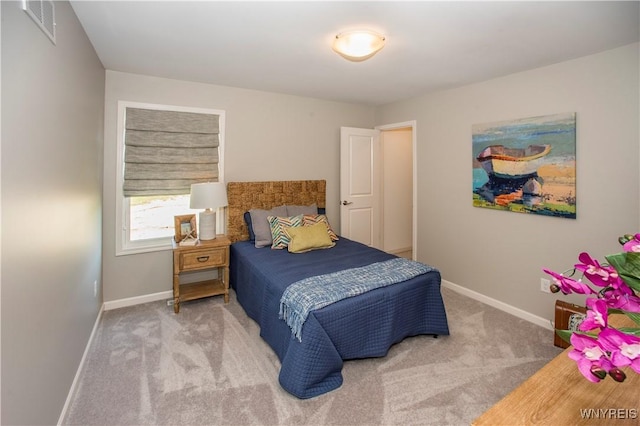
<point x="627" y="265"/>
<point x="635" y="317"/>
<point x="630" y="330"/>
<point x="565" y="335"/>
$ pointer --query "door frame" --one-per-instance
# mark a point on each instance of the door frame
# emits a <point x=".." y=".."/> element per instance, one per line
<point x="414" y="185"/>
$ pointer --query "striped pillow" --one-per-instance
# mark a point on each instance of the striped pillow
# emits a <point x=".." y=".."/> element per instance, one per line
<point x="312" y="219"/>
<point x="277" y="223"/>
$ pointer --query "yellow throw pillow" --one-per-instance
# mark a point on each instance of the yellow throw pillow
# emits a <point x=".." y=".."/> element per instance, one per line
<point x="312" y="219"/>
<point x="307" y="238"/>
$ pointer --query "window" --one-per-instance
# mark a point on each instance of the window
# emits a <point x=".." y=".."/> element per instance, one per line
<point x="162" y="150"/>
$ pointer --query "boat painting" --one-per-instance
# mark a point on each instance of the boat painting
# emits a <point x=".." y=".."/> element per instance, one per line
<point x="526" y="165"/>
<point x="505" y="162"/>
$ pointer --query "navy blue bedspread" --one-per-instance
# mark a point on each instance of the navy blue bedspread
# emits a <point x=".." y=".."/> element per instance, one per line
<point x="358" y="327"/>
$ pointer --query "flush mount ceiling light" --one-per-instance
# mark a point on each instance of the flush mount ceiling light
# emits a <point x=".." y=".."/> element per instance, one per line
<point x="358" y="45"/>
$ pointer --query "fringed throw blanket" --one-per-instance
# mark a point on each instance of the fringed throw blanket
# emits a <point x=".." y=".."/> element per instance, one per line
<point x="313" y="293"/>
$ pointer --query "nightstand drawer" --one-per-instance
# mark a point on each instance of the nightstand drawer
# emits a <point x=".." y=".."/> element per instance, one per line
<point x="203" y="259"/>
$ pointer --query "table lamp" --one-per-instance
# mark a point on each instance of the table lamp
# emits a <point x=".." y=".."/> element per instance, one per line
<point x="209" y="196"/>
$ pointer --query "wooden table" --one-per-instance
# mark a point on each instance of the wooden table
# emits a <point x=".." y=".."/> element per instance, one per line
<point x="205" y="255"/>
<point x="558" y="394"/>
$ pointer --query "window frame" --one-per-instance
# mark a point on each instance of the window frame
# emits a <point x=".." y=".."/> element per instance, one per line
<point x="124" y="246"/>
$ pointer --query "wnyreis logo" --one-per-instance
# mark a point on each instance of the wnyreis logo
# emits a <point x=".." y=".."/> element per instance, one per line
<point x="609" y="413"/>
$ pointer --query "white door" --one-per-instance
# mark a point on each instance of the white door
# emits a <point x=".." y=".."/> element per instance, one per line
<point x="360" y="199"/>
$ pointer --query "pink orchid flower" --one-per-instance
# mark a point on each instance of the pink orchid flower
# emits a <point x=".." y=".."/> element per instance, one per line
<point x="569" y="285"/>
<point x="619" y="284"/>
<point x="589" y="355"/>
<point x="600" y="349"/>
<point x="597" y="315"/>
<point x="621" y="298"/>
<point x="599" y="275"/>
<point x="624" y="348"/>
<point x="633" y="244"/>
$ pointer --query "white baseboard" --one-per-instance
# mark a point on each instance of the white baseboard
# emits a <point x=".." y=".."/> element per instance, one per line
<point x="130" y="301"/>
<point x="80" y="367"/>
<point x="400" y="250"/>
<point x="542" y="322"/>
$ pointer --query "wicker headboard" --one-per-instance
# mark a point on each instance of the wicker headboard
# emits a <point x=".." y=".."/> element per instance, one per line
<point x="244" y="196"/>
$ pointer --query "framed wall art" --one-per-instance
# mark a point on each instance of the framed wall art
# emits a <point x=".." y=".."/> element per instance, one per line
<point x="526" y="165"/>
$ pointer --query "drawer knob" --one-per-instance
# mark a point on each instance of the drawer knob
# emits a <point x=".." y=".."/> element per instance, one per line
<point x="203" y="258"/>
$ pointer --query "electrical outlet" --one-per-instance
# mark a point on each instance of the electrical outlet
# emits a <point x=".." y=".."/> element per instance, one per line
<point x="95" y="288"/>
<point x="545" y="285"/>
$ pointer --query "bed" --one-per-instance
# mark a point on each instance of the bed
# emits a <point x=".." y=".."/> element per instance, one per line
<point x="363" y="326"/>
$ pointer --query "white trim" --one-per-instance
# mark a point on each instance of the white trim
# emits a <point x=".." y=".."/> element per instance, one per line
<point x="80" y="367"/>
<point x="138" y="300"/>
<point x="400" y="250"/>
<point x="542" y="322"/>
<point x="123" y="245"/>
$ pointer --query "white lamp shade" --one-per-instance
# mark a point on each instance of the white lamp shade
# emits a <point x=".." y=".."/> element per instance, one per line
<point x="358" y="45"/>
<point x="210" y="195"/>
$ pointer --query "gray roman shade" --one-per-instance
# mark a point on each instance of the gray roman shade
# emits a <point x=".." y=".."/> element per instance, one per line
<point x="166" y="151"/>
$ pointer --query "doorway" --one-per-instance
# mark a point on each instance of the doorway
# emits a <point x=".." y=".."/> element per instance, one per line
<point x="378" y="187"/>
<point x="397" y="191"/>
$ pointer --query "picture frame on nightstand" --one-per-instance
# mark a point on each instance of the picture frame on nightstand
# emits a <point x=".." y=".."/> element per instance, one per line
<point x="186" y="232"/>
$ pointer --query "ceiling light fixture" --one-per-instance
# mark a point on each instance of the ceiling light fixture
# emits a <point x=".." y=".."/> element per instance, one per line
<point x="358" y="45"/>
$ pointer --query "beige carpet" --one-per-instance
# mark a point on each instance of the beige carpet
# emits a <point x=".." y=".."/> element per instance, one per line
<point x="208" y="366"/>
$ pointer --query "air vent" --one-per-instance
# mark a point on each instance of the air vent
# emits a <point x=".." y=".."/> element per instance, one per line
<point x="44" y="14"/>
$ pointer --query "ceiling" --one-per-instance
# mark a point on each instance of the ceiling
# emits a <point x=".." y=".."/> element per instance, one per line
<point x="285" y="47"/>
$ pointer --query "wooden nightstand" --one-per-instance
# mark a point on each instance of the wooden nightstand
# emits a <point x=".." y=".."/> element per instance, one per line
<point x="211" y="254"/>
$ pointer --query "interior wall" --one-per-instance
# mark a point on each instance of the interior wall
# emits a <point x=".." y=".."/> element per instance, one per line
<point x="268" y="136"/>
<point x="501" y="254"/>
<point x="52" y="126"/>
<point x="397" y="184"/>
